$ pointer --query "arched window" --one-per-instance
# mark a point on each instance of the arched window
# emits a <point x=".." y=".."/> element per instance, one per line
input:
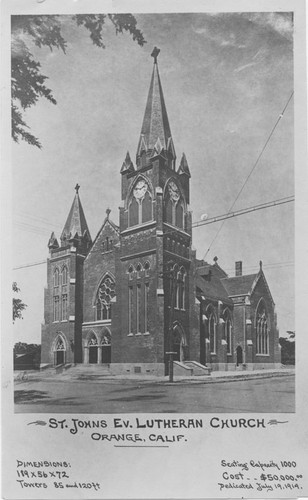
<point x="105" y="294"/>
<point x="212" y="330"/>
<point x="140" y="205"/>
<point x="64" y="307"/>
<point x="133" y="213"/>
<point x="174" y="205"/>
<point x="180" y="292"/>
<point x="262" y="330"/>
<point x="228" y="330"/>
<point x="56" y="308"/>
<point x="56" y="279"/>
<point x="146" y="207"/>
<point x="130" y="272"/>
<point x="147" y="268"/>
<point x="138" y="269"/>
<point x="64" y="275"/>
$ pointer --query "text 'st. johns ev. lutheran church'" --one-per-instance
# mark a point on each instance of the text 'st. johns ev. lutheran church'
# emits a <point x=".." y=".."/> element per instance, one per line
<point x="138" y="291"/>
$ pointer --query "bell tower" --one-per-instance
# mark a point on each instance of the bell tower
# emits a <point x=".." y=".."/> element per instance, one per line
<point x="155" y="235"/>
<point x="61" y="331"/>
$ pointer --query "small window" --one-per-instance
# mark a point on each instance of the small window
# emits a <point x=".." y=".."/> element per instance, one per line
<point x="138" y="269"/>
<point x="56" y="279"/>
<point x="64" y="275"/>
<point x="147" y="268"/>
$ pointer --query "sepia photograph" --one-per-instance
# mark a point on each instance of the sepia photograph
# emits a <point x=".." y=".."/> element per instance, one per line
<point x="153" y="212"/>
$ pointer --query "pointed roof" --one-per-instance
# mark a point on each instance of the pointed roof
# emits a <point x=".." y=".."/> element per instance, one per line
<point x="155" y="130"/>
<point x="127" y="164"/>
<point x="184" y="168"/>
<point x="239" y="285"/>
<point x="76" y="223"/>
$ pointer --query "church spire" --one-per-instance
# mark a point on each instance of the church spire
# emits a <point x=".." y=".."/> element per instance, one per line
<point x="76" y="227"/>
<point x="155" y="137"/>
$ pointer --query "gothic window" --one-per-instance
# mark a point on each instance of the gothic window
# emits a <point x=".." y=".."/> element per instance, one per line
<point x="140" y="205"/>
<point x="130" y="272"/>
<point x="93" y="341"/>
<point x="212" y="331"/>
<point x="130" y="309"/>
<point x="64" y="275"/>
<point x="138" y="309"/>
<point x="105" y="294"/>
<point x="181" y="289"/>
<point x="106" y="340"/>
<point x="56" y="278"/>
<point x="147" y="268"/>
<point x="169" y="210"/>
<point x="228" y="330"/>
<point x="64" y="307"/>
<point x="138" y="298"/>
<point x="174" y="205"/>
<point x="56" y="308"/>
<point x="59" y="344"/>
<point x="262" y="331"/>
<point x="146" y="305"/>
<point x="138" y="269"/>
<point x="179" y="215"/>
<point x="146" y="208"/>
<point x="133" y="213"/>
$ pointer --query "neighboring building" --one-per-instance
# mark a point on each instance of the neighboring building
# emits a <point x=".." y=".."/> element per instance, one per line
<point x="108" y="301"/>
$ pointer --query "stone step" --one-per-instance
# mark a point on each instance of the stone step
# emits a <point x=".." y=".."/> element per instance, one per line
<point x="198" y="369"/>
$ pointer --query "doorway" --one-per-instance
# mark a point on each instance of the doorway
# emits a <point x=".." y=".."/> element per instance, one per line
<point x="59" y="351"/>
<point x="59" y="358"/>
<point x="239" y="355"/>
<point x="93" y="354"/>
<point x="179" y="343"/>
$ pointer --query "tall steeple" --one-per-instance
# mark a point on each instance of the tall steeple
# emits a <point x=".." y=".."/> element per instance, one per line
<point x="155" y="138"/>
<point x="76" y="227"/>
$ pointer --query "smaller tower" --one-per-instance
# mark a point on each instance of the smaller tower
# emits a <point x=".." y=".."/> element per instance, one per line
<point x="61" y="331"/>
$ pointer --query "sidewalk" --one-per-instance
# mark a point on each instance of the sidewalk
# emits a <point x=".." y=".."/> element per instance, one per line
<point x="50" y="375"/>
<point x="232" y="376"/>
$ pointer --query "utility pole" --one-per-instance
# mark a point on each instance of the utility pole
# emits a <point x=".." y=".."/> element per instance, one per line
<point x="170" y="273"/>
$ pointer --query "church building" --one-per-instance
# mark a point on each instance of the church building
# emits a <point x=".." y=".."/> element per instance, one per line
<point x="138" y="292"/>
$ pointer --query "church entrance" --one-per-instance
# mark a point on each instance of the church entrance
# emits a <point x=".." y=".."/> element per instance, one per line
<point x="93" y="348"/>
<point x="179" y="343"/>
<point x="239" y="355"/>
<point x="106" y="347"/>
<point x="59" y="351"/>
<point x="59" y="358"/>
<point x="93" y="354"/>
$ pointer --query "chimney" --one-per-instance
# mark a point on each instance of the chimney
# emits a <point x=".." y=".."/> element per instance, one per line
<point x="238" y="268"/>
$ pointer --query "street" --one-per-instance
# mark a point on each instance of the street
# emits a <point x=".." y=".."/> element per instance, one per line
<point x="267" y="395"/>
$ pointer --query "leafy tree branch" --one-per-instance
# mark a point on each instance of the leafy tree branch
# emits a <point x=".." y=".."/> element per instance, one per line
<point x="28" y="83"/>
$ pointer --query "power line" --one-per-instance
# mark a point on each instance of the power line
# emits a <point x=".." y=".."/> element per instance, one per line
<point x="251" y="171"/>
<point x="30" y="265"/>
<point x="243" y="211"/>
<point x="218" y="218"/>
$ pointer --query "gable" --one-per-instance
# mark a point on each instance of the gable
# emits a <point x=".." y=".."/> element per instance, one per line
<point x="261" y="289"/>
<point x="107" y="237"/>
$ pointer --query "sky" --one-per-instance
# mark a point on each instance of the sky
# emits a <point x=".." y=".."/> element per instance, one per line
<point x="226" y="77"/>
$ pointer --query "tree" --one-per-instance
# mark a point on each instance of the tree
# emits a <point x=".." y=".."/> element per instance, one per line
<point x="288" y="348"/>
<point x="28" y="83"/>
<point x="18" y="305"/>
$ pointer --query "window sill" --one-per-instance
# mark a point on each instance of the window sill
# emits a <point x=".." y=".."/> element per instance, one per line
<point x="130" y="334"/>
<point x="263" y="355"/>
